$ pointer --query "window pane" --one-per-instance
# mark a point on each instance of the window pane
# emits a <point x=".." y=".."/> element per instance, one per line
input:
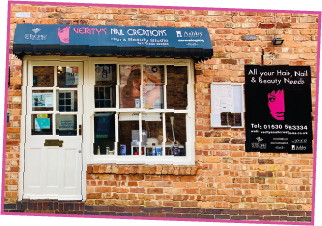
<point x="67" y="77"/>
<point x="130" y="81"/>
<point x="177" y="80"/>
<point x="153" y="81"/>
<point x="175" y="131"/>
<point x="105" y="86"/>
<point x="104" y="133"/>
<point x="67" y="101"/>
<point x="128" y="133"/>
<point x="43" y="76"/>
<point x="153" y="130"/>
<point x="41" y="124"/>
<point x="66" y="125"/>
<point x="42" y="100"/>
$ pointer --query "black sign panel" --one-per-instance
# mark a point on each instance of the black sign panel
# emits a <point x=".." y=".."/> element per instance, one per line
<point x="278" y="109"/>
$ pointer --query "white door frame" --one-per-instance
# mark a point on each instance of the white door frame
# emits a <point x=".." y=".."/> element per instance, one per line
<point x="26" y="64"/>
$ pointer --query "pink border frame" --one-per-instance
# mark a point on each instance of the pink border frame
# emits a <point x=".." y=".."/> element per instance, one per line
<point x="166" y="7"/>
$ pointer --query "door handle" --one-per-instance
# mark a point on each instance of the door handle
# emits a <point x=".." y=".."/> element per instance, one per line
<point x="80" y="130"/>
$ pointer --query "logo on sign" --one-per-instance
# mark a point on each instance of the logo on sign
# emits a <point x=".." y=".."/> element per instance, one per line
<point x="192" y="34"/>
<point x="35" y="36"/>
<point x="35" y="30"/>
<point x="63" y="34"/>
<point x="179" y="34"/>
<point x="259" y="145"/>
<point x="298" y="147"/>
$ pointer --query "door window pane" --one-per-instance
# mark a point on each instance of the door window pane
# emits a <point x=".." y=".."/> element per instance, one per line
<point x="104" y="133"/>
<point x="43" y="76"/>
<point x="67" y="77"/>
<point x="130" y="85"/>
<point x="42" y="100"/>
<point x="177" y="80"/>
<point x="41" y="124"/>
<point x="66" y="125"/>
<point x="67" y="101"/>
<point x="105" y="85"/>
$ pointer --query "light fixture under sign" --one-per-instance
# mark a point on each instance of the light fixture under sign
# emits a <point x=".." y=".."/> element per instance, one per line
<point x="277" y="41"/>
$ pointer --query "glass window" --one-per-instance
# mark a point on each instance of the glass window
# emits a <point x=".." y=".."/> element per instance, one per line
<point x="66" y="125"/>
<point x="153" y="81"/>
<point x="175" y="134"/>
<point x="129" y="134"/>
<point x="152" y="128"/>
<point x="177" y="80"/>
<point x="151" y="114"/>
<point x="130" y="86"/>
<point x="67" y="77"/>
<point x="104" y="133"/>
<point x="105" y="85"/>
<point x="41" y="124"/>
<point x="42" y="100"/>
<point x="66" y="101"/>
<point x="43" y="76"/>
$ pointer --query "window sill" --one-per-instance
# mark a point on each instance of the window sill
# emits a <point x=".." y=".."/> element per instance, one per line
<point x="142" y="169"/>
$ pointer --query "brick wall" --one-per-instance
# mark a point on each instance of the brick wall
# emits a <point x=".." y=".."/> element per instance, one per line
<point x="226" y="176"/>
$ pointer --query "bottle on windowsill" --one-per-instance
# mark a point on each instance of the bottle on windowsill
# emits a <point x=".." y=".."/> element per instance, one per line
<point x="175" y="149"/>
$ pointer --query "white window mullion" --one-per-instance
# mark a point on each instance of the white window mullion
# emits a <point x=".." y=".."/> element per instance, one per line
<point x="117" y="90"/>
<point x="164" y="133"/>
<point x="165" y="87"/>
<point x="116" y="134"/>
<point x="141" y="89"/>
<point x="140" y="132"/>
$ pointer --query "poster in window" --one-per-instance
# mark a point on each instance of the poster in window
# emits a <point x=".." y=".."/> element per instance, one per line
<point x="42" y="123"/>
<point x="42" y="99"/>
<point x="104" y="126"/>
<point x="134" y="82"/>
<point x="278" y="109"/>
<point x="65" y="122"/>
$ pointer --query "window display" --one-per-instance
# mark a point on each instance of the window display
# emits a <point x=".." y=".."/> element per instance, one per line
<point x="151" y="116"/>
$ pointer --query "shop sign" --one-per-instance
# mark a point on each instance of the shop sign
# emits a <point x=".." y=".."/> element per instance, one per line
<point x="278" y="108"/>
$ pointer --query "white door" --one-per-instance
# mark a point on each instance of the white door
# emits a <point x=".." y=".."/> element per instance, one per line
<point x="53" y="149"/>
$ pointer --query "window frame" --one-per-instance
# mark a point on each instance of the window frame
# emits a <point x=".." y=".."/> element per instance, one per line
<point x="189" y="159"/>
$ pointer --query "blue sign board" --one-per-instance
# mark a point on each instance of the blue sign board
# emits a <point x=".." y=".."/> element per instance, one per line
<point x="112" y="40"/>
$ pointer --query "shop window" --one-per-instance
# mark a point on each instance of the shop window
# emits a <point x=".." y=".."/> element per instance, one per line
<point x="104" y="133"/>
<point x="105" y="85"/>
<point x="151" y="121"/>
